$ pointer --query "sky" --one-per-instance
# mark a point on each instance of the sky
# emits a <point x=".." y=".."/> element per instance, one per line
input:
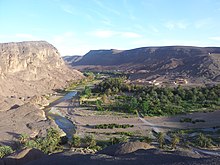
<point x="76" y="26"/>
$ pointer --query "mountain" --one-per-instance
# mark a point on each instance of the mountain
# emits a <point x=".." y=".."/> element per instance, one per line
<point x="32" y="67"/>
<point x="173" y="61"/>
<point x="71" y="59"/>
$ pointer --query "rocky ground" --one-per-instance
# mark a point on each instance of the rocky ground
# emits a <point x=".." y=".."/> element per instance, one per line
<point x="131" y="153"/>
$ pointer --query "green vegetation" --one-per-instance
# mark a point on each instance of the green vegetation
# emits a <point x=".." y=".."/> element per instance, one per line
<point x="89" y="141"/>
<point x="5" y="150"/>
<point x="76" y="141"/>
<point x="204" y="141"/>
<point x="146" y="139"/>
<point x="48" y="144"/>
<point x="155" y="101"/>
<point x="189" y="120"/>
<point x="175" y="140"/>
<point x="161" y="139"/>
<point x="111" y="126"/>
<point x="195" y="137"/>
<point x="116" y="140"/>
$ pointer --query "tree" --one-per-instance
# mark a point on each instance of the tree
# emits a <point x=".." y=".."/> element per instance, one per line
<point x="145" y="107"/>
<point x="161" y="139"/>
<point x="76" y="141"/>
<point x="175" y="141"/>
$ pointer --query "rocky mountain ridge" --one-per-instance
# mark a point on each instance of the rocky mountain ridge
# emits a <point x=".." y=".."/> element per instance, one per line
<point x="186" y="61"/>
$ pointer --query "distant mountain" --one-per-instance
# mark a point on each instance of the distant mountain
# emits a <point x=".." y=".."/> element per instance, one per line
<point x="72" y="59"/>
<point x="188" y="61"/>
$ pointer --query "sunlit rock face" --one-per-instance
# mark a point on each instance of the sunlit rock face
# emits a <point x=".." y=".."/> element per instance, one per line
<point x="32" y="67"/>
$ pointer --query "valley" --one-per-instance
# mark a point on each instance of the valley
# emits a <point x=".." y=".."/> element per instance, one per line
<point x="170" y="110"/>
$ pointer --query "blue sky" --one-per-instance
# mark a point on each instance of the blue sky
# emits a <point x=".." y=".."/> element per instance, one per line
<point x="76" y="26"/>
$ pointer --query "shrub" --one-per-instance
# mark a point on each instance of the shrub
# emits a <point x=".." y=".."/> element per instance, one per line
<point x="204" y="141"/>
<point x="76" y="142"/>
<point x="5" y="150"/>
<point x="161" y="139"/>
<point x="89" y="141"/>
<point x="146" y="139"/>
<point x="175" y="140"/>
<point x="115" y="140"/>
<point x="23" y="138"/>
<point x="49" y="144"/>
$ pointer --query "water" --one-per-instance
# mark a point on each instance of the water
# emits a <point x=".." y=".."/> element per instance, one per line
<point x="63" y="123"/>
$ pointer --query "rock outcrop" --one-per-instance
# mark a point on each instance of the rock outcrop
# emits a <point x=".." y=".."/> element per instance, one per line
<point x="124" y="148"/>
<point x="22" y="157"/>
<point x="31" y="68"/>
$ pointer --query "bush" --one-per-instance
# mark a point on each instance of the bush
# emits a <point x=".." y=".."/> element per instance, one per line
<point x="5" y="150"/>
<point x="76" y="142"/>
<point x="203" y="141"/>
<point x="175" y="140"/>
<point x="49" y="144"/>
<point x="115" y="140"/>
<point x="89" y="141"/>
<point x="146" y="139"/>
<point x="161" y="139"/>
<point x="113" y="125"/>
<point x="187" y="120"/>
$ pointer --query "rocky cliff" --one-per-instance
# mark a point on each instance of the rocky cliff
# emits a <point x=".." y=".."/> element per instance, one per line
<point x="33" y="67"/>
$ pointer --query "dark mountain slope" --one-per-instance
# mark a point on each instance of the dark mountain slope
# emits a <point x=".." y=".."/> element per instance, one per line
<point x="169" y="60"/>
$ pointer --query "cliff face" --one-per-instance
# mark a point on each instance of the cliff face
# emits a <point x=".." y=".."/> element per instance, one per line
<point x="33" y="67"/>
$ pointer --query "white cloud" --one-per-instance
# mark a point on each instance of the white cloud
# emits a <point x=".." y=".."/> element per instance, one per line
<point x="110" y="33"/>
<point x="103" y="33"/>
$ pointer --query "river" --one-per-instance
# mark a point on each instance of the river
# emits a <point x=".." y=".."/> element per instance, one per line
<point x="63" y="123"/>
